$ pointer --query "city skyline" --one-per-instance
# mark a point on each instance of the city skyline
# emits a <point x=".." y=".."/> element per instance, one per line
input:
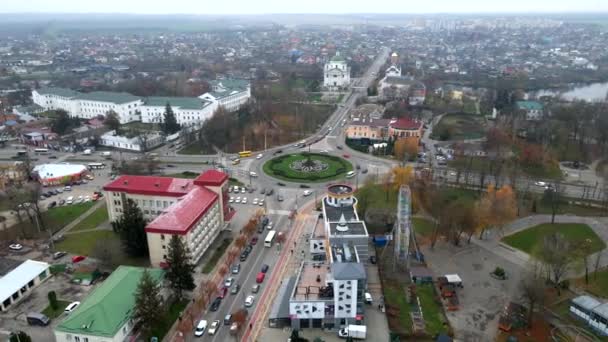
<point x="310" y="7"/>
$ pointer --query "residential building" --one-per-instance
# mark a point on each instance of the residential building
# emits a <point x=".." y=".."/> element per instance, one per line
<point x="230" y="94"/>
<point x="533" y="109"/>
<point x="89" y="105"/>
<point x="133" y="143"/>
<point x="189" y="111"/>
<point x="19" y="282"/>
<point x="106" y="314"/>
<point x="368" y="128"/>
<point x="195" y="210"/>
<point x="336" y="73"/>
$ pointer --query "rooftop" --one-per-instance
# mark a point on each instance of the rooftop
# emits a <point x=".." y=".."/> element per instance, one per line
<point x="107" y="96"/>
<point x="348" y="271"/>
<point x="46" y="171"/>
<point x="311" y="278"/>
<point x="529" y="105"/>
<point x="193" y="103"/>
<point x="586" y="302"/>
<point x="405" y="123"/>
<point x="340" y="189"/>
<point x="333" y="214"/>
<point x="109" y="306"/>
<point x="20" y="276"/>
<point x="211" y="178"/>
<point x="185" y="213"/>
<point x="402" y="80"/>
<point x="150" y="185"/>
<point x="63" y="92"/>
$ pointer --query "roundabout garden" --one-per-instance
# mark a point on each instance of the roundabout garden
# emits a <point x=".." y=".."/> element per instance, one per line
<point x="307" y="167"/>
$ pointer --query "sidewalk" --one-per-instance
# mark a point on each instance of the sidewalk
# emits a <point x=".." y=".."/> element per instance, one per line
<point x="84" y="215"/>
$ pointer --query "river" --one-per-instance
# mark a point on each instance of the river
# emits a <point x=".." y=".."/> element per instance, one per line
<point x="593" y="92"/>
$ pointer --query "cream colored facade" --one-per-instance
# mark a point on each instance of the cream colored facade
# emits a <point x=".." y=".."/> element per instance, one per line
<point x="151" y="206"/>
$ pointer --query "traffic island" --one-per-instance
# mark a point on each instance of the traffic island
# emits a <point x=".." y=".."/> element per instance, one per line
<point x="307" y="167"/>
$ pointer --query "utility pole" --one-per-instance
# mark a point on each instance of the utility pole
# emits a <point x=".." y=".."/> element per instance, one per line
<point x="243" y="143"/>
<point x="265" y="139"/>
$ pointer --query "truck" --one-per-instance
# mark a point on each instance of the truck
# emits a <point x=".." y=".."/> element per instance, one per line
<point x="354" y="331"/>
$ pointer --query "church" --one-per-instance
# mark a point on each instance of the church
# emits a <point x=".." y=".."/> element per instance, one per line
<point x="336" y="74"/>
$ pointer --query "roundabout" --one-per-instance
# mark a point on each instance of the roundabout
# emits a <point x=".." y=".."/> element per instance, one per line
<point x="307" y="167"/>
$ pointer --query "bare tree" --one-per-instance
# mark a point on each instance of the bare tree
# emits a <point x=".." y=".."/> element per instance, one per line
<point x="557" y="254"/>
<point x="597" y="264"/>
<point x="554" y="197"/>
<point x="532" y="289"/>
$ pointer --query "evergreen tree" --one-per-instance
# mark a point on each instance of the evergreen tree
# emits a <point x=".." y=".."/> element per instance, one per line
<point x="52" y="296"/>
<point x="180" y="269"/>
<point x="148" y="304"/>
<point x="111" y="120"/>
<point x="20" y="337"/>
<point x="170" y="124"/>
<point x="130" y="227"/>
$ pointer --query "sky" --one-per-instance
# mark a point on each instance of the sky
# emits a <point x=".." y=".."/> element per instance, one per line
<point x="301" y="6"/>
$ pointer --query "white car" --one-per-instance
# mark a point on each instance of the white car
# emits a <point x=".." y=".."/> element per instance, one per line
<point x="253" y="174"/>
<point x="249" y="301"/>
<point x="243" y="190"/>
<point x="87" y="198"/>
<point x="269" y="226"/>
<point x="255" y="201"/>
<point x="237" y="200"/>
<point x="215" y="325"/>
<point x="71" y="307"/>
<point x="229" y="189"/>
<point x="324" y="151"/>
<point x="231" y="200"/>
<point x="228" y="282"/>
<point x="540" y="184"/>
<point x="261" y="202"/>
<point x="200" y="328"/>
<point x="15" y="247"/>
<point x="259" y="156"/>
<point x="236" y="188"/>
<point x="244" y="201"/>
<point x="307" y="192"/>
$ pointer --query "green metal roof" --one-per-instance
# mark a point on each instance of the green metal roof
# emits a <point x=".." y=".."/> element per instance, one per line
<point x="109" y="306"/>
<point x="107" y="96"/>
<point x="57" y="91"/>
<point x="181" y="102"/>
<point x="338" y="58"/>
<point x="529" y="105"/>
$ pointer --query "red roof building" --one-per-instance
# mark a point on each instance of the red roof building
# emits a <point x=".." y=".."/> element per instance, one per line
<point x="195" y="210"/>
<point x="405" y="128"/>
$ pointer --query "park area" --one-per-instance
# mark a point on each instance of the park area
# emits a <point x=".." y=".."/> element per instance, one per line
<point x="459" y="127"/>
<point x="576" y="233"/>
<point x="307" y="167"/>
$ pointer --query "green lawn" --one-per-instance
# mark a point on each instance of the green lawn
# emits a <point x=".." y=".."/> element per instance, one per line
<point x="598" y="283"/>
<point x="479" y="164"/>
<point x="54" y="219"/>
<point x="458" y="127"/>
<point x="527" y="240"/>
<point x="171" y="316"/>
<point x="217" y="254"/>
<point x="50" y="313"/>
<point x="423" y="227"/>
<point x="196" y="147"/>
<point x="394" y="295"/>
<point x="431" y="309"/>
<point x="83" y="243"/>
<point x="99" y="216"/>
<point x="279" y="167"/>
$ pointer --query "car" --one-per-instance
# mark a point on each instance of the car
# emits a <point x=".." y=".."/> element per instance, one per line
<point x="70" y="200"/>
<point x="237" y="200"/>
<point x="234" y="327"/>
<point x="250" y="190"/>
<point x="223" y="291"/>
<point x="170" y="165"/>
<point x="307" y="193"/>
<point x="265" y="268"/>
<point x="52" y="205"/>
<point x="71" y="307"/>
<point x="52" y="157"/>
<point x="243" y="190"/>
<point x="87" y="198"/>
<point x="255" y="288"/>
<point x="263" y="191"/>
<point x="228" y="282"/>
<point x="261" y="203"/>
<point x="248" y="248"/>
<point x="364" y="171"/>
<point x="15" y="247"/>
<point x="259" y="156"/>
<point x="280" y="198"/>
<point x="269" y="226"/>
<point x="270" y="192"/>
<point x="61" y="202"/>
<point x="249" y="301"/>
<point x="280" y="184"/>
<point x="252" y="174"/>
<point x="324" y="151"/>
<point x="254" y="240"/>
<point x="78" y="258"/>
<point x="244" y="200"/>
<point x="346" y="155"/>
<point x="59" y="255"/>
<point x="243" y="256"/>
<point x="339" y="147"/>
<point x="229" y="189"/>
<point x="200" y="328"/>
<point x="236" y="189"/>
<point x="260" y="277"/>
<point x="304" y="186"/>
<point x="235" y="289"/>
<point x="216" y="304"/>
<point x="255" y="201"/>
<point x="372" y="259"/>
<point x="215" y="325"/>
<point x="236" y="268"/>
<point x="231" y="200"/>
<point x="540" y="184"/>
<point x="227" y="319"/>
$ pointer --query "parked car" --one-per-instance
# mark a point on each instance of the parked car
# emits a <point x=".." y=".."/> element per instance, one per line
<point x="71" y="307"/>
<point x="244" y="256"/>
<point x="339" y="147"/>
<point x="255" y="288"/>
<point x="215" y="325"/>
<point x="280" y="184"/>
<point x="249" y="301"/>
<point x="59" y="255"/>
<point x="265" y="268"/>
<point x="260" y="277"/>
<point x="307" y="193"/>
<point x="223" y="292"/>
<point x="15" y="247"/>
<point x="270" y="192"/>
<point x="35" y="318"/>
<point x="235" y="289"/>
<point x="227" y="319"/>
<point x="228" y="282"/>
<point x="254" y="240"/>
<point x="236" y="268"/>
<point x="216" y="304"/>
<point x="200" y="328"/>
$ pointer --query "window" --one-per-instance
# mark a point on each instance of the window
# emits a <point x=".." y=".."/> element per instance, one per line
<point x="86" y="339"/>
<point x="76" y="338"/>
<point x="162" y="236"/>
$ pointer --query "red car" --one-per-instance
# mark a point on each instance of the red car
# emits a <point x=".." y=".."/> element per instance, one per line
<point x="254" y="240"/>
<point x="260" y="277"/>
<point x="346" y="156"/>
<point x="223" y="292"/>
<point x="77" y="258"/>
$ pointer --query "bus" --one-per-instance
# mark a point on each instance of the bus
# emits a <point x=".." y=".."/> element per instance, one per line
<point x="95" y="166"/>
<point x="244" y="154"/>
<point x="269" y="238"/>
<point x="41" y="150"/>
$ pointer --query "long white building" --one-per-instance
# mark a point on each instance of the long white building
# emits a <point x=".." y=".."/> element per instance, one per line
<point x="189" y="111"/>
<point x="336" y="73"/>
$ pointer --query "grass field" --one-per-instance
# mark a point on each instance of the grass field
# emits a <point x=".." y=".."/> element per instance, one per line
<point x="458" y="127"/>
<point x="216" y="256"/>
<point x="99" y="216"/>
<point x="478" y="164"/>
<point x="576" y="233"/>
<point x="54" y="219"/>
<point x="280" y="168"/>
<point x="431" y="309"/>
<point x="395" y="295"/>
<point x="598" y="283"/>
<point x="50" y="313"/>
<point x="423" y="227"/>
<point x="83" y="243"/>
<point x="196" y="148"/>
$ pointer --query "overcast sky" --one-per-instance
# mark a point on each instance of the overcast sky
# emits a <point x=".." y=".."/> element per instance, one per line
<point x="300" y="6"/>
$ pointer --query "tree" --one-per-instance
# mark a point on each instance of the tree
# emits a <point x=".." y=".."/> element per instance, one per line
<point x="131" y="228"/>
<point x="496" y="208"/>
<point x="553" y="196"/>
<point x="402" y="175"/>
<point x="149" y="308"/>
<point x="406" y="148"/>
<point x="240" y="318"/>
<point x="20" y="336"/>
<point x="240" y="241"/>
<point x="63" y="123"/>
<point x="180" y="271"/>
<point x="111" y="121"/>
<point x="557" y="254"/>
<point x="533" y="290"/>
<point x="52" y="296"/>
<point x="170" y="124"/>
<point x="104" y="252"/>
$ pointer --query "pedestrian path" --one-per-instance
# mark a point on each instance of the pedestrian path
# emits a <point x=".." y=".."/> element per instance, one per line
<point x="80" y="218"/>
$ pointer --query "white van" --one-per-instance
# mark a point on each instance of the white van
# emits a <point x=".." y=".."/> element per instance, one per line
<point x="350" y="174"/>
<point x="368" y="298"/>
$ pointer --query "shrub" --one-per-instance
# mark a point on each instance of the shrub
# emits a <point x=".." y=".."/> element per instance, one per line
<point x="499" y="272"/>
<point x="53" y="300"/>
